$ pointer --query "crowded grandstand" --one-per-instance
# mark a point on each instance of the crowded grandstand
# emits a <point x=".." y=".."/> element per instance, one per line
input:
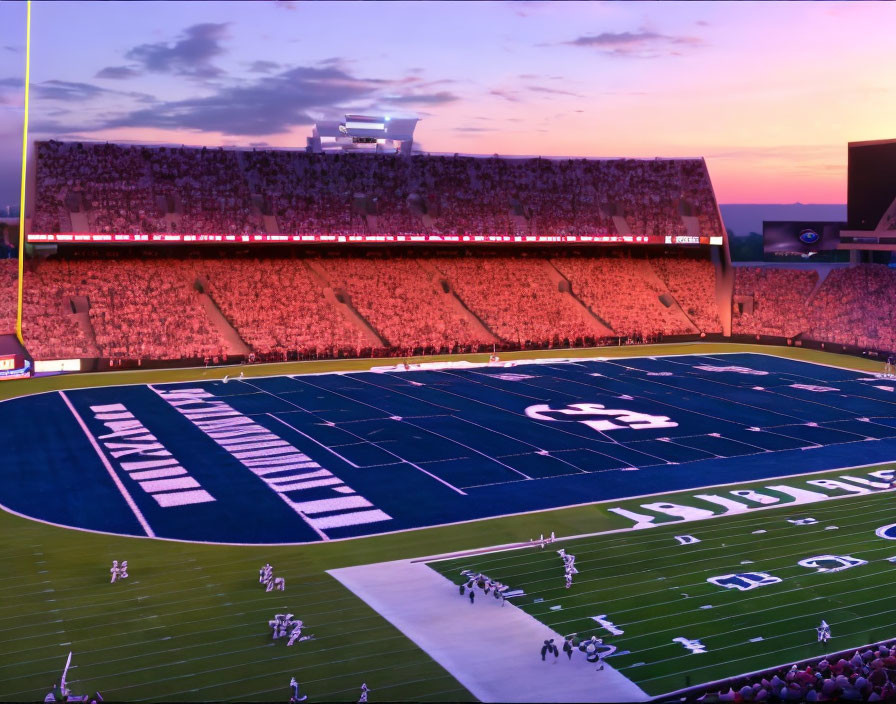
<point x="92" y="303"/>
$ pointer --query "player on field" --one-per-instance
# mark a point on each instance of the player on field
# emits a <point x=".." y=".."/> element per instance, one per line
<point x="824" y="632"/>
<point x="279" y="583"/>
<point x="364" y="691"/>
<point x="296" y="696"/>
<point x="123" y="570"/>
<point x="296" y="634"/>
<point x="567" y="647"/>
<point x="591" y="648"/>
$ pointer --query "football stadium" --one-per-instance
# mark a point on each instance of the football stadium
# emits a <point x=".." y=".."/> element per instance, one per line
<point x="354" y="420"/>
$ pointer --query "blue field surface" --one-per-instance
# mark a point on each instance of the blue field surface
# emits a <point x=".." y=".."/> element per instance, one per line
<point x="319" y="457"/>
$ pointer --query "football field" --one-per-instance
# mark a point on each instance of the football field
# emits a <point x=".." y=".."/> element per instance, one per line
<point x="776" y="575"/>
<point x="197" y="483"/>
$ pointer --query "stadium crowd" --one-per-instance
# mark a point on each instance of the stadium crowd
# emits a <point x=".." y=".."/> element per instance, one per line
<point x="9" y="274"/>
<point x="866" y="676"/>
<point x="49" y="325"/>
<point x="141" y="189"/>
<point x="853" y="306"/>
<point x="399" y="299"/>
<point x="692" y="282"/>
<point x="278" y="309"/>
<point x="518" y="301"/>
<point x="856" y="306"/>
<point x="177" y="189"/>
<point x="779" y="300"/>
<point x="620" y="291"/>
<point x="137" y="310"/>
<point x="289" y="307"/>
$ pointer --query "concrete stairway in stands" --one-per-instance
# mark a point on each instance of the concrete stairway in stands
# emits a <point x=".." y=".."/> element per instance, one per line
<point x="80" y="307"/>
<point x="441" y="286"/>
<point x="600" y="327"/>
<point x="233" y="343"/>
<point x="648" y="274"/>
<point x="340" y="301"/>
<point x="79" y="221"/>
<point x="521" y="224"/>
<point x="692" y="223"/>
<point x="621" y="225"/>
<point x="724" y="288"/>
<point x="270" y="224"/>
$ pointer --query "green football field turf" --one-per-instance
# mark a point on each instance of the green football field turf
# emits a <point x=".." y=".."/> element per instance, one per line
<point x="191" y="622"/>
<point x="655" y="590"/>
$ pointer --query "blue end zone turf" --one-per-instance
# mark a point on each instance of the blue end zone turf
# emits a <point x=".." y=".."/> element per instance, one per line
<point x="295" y="459"/>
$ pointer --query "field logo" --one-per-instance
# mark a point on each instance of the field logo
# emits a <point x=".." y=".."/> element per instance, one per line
<point x="686" y="539"/>
<point x="695" y="646"/>
<point x="813" y="387"/>
<point x="737" y="370"/>
<point x="575" y="411"/>
<point x="297" y="479"/>
<point x="840" y="563"/>
<point x="887" y="532"/>
<point x="609" y="625"/>
<point x="745" y="581"/>
<point x="145" y="460"/>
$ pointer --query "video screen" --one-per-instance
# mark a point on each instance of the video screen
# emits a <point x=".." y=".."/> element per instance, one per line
<point x="871" y="186"/>
<point x="799" y="236"/>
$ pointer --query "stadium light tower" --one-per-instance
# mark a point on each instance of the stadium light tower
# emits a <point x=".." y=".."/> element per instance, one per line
<point x="24" y="167"/>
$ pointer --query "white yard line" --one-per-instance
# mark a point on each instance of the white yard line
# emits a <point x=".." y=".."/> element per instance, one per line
<point x="491" y="650"/>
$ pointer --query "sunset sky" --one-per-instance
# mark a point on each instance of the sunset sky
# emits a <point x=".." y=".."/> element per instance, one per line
<point x="769" y="93"/>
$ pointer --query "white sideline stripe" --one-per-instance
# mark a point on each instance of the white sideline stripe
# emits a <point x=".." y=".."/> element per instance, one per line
<point x="124" y="492"/>
<point x="503" y="665"/>
<point x="182" y="498"/>
<point x="151" y="487"/>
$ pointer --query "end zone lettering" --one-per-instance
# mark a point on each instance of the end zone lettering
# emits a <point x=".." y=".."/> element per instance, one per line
<point x="156" y="471"/>
<point x="272" y="459"/>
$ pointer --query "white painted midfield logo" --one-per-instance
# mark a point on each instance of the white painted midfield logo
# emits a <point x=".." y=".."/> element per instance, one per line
<point x="736" y="370"/>
<point x="157" y="472"/>
<point x="622" y="418"/>
<point x="744" y="581"/>
<point x="278" y="464"/>
<point x="813" y="387"/>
